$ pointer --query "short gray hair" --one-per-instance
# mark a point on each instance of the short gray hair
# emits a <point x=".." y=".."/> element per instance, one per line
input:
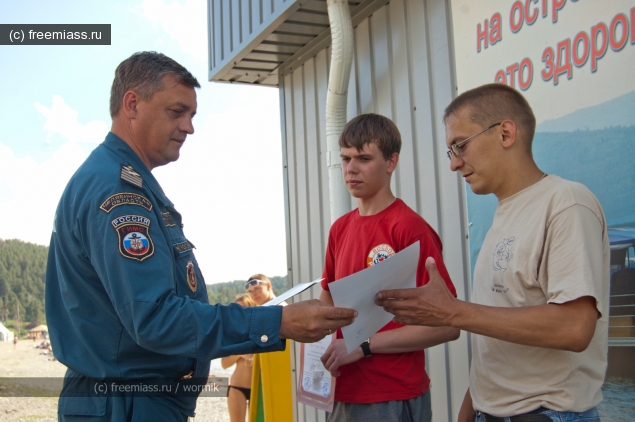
<point x="143" y="73"/>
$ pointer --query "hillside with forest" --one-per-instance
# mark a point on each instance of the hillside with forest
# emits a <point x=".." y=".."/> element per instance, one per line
<point x="22" y="275"/>
<point x="22" y="280"/>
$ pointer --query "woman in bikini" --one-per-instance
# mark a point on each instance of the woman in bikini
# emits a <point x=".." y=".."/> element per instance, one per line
<point x="240" y="382"/>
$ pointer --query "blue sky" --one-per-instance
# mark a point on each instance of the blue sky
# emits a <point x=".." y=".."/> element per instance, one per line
<point x="228" y="181"/>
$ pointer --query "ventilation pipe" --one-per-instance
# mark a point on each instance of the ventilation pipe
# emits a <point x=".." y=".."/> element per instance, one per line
<point x="339" y="75"/>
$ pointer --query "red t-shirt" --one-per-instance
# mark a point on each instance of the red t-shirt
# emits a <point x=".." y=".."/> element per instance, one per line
<point x="355" y="243"/>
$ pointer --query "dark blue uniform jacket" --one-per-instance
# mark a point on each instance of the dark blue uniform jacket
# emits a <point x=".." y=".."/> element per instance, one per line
<point x="125" y="298"/>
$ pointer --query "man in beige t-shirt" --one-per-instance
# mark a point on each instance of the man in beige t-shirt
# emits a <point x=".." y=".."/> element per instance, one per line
<point x="541" y="282"/>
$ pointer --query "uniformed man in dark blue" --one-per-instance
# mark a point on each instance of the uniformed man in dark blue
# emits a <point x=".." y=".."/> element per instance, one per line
<point x="126" y="303"/>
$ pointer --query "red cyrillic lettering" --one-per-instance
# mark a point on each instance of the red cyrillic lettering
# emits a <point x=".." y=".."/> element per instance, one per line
<point x="617" y="45"/>
<point x="633" y="25"/>
<point x="598" y="53"/>
<point x="481" y="35"/>
<point x="557" y="5"/>
<point x="580" y="60"/>
<point x="547" y="58"/>
<point x="511" y="70"/>
<point x="500" y="77"/>
<point x="529" y="18"/>
<point x="517" y="9"/>
<point x="496" y="32"/>
<point x="525" y="83"/>
<point x="544" y="8"/>
<point x="563" y="62"/>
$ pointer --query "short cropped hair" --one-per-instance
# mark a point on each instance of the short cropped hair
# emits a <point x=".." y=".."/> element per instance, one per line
<point x="259" y="277"/>
<point x="245" y="300"/>
<point x="492" y="103"/>
<point x="143" y="73"/>
<point x="372" y="128"/>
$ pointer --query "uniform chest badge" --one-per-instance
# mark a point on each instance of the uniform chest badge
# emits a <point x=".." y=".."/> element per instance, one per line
<point x="191" y="276"/>
<point x="378" y="254"/>
<point x="167" y="219"/>
<point x="134" y="236"/>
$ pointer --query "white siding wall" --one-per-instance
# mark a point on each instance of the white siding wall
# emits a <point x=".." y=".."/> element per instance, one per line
<point x="403" y="69"/>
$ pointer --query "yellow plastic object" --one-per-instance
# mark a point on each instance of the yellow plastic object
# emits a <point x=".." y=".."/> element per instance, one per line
<point x="256" y="407"/>
<point x="271" y="394"/>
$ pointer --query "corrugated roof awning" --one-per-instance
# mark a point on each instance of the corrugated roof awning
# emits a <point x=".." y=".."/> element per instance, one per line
<point x="256" y="41"/>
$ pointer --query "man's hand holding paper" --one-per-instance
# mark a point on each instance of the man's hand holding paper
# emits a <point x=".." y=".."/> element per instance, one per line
<point x="358" y="291"/>
<point x="431" y="305"/>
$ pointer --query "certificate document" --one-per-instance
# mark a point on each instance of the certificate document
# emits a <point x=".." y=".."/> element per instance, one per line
<point x="316" y="386"/>
<point x="357" y="291"/>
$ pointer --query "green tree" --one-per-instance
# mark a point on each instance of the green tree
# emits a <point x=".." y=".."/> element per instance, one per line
<point x="4" y="287"/>
<point x="22" y="279"/>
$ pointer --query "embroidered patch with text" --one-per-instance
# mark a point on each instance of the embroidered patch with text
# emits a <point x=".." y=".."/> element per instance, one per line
<point x="184" y="247"/>
<point x="134" y="236"/>
<point x="167" y="219"/>
<point x="125" y="198"/>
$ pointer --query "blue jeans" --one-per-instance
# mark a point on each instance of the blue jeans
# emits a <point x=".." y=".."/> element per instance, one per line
<point x="590" y="415"/>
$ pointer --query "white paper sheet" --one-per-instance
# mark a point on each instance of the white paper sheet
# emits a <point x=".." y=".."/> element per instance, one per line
<point x="358" y="292"/>
<point x="297" y="289"/>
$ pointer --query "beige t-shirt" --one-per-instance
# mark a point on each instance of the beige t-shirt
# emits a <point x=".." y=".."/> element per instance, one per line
<point x="548" y="244"/>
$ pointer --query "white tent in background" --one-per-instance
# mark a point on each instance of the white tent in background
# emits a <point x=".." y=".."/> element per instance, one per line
<point x="5" y="333"/>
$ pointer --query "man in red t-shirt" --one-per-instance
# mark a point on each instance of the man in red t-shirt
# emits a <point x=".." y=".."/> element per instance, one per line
<point x="384" y="379"/>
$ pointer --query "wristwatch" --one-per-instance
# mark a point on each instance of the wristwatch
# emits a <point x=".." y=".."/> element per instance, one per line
<point x="366" y="348"/>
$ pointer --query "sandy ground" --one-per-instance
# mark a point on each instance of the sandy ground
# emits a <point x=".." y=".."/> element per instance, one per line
<point x="27" y="361"/>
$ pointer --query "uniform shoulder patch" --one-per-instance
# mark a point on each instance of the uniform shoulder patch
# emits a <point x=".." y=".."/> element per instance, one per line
<point x="128" y="174"/>
<point x="125" y="198"/>
<point x="134" y="236"/>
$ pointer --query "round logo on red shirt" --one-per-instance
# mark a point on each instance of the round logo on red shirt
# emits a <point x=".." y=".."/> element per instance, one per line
<point x="379" y="253"/>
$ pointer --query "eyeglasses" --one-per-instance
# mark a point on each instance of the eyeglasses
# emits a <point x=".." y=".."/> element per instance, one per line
<point x="252" y="283"/>
<point x="456" y="149"/>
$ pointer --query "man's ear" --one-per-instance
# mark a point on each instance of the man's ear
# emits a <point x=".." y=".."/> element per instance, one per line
<point x="509" y="133"/>
<point x="392" y="161"/>
<point x="129" y="104"/>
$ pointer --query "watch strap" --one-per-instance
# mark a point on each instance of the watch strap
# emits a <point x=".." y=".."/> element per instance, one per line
<point x="366" y="348"/>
